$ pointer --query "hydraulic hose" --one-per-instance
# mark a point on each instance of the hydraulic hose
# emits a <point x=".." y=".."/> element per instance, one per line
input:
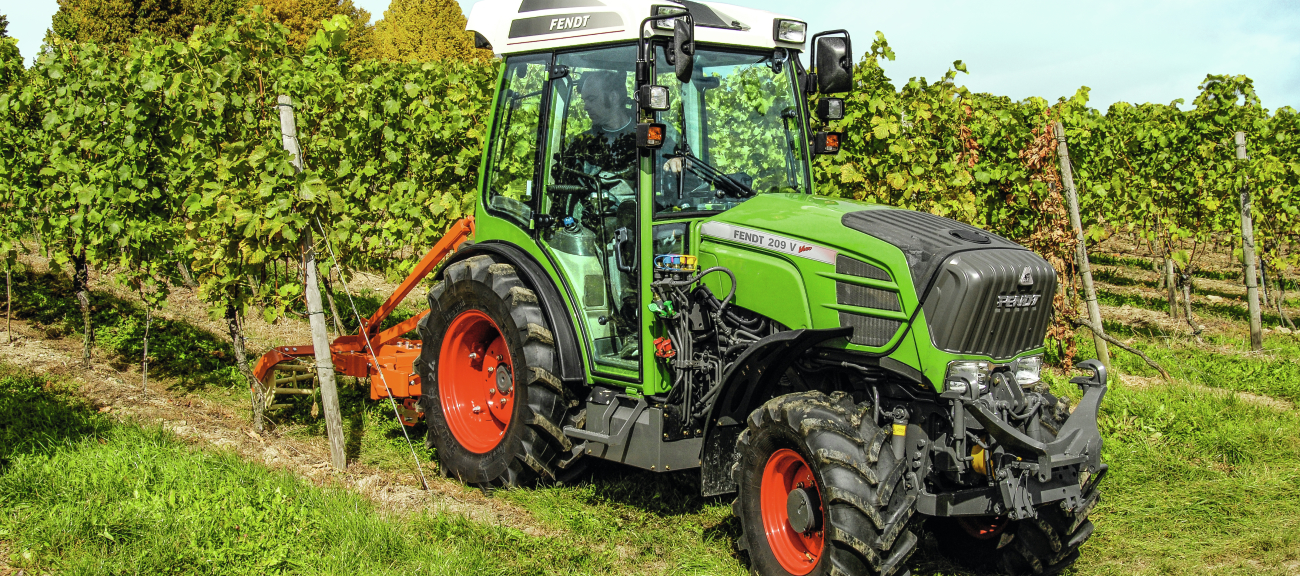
<point x="697" y="277"/>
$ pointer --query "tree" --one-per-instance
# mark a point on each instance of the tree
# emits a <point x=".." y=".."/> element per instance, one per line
<point x="116" y="22"/>
<point x="4" y="26"/>
<point x="423" y="31"/>
<point x="303" y="18"/>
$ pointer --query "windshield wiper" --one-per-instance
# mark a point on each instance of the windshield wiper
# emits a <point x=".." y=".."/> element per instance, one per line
<point x="713" y="175"/>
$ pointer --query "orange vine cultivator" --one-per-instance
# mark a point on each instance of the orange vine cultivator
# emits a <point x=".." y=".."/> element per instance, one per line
<point x="385" y="358"/>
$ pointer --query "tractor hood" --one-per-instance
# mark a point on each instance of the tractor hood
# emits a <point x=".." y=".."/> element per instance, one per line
<point x="981" y="293"/>
<point x="832" y="225"/>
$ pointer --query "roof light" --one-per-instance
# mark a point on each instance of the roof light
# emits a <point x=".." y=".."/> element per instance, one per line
<point x="789" y="31"/>
<point x="667" y="24"/>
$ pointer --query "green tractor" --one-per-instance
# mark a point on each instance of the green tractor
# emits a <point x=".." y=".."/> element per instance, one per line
<point x="652" y="280"/>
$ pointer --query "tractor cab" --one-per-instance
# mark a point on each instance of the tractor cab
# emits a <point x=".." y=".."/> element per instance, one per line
<point x="618" y="124"/>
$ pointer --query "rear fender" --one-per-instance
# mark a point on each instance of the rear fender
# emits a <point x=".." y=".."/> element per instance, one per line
<point x="536" y="278"/>
<point x="745" y="386"/>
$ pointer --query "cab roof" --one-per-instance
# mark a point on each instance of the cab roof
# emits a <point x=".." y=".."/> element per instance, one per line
<point x="513" y="26"/>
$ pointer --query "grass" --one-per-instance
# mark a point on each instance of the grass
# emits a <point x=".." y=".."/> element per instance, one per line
<point x="1202" y="481"/>
<point x="1198" y="480"/>
<point x="81" y="494"/>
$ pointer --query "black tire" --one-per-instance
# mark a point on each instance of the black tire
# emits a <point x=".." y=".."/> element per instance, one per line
<point x="532" y="442"/>
<point x="1044" y="545"/>
<point x="866" y="506"/>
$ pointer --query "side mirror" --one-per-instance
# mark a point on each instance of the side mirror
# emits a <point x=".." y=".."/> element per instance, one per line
<point x="833" y="58"/>
<point x="684" y="49"/>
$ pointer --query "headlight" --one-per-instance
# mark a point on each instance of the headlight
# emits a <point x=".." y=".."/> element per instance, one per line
<point x="1027" y="370"/>
<point x="789" y="31"/>
<point x="965" y="375"/>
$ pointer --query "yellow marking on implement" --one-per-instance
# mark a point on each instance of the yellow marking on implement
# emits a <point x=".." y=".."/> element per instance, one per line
<point x="900" y="430"/>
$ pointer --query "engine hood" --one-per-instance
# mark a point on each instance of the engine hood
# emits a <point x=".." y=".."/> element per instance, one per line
<point x="925" y="240"/>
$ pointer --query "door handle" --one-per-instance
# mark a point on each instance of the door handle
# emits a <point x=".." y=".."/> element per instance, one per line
<point x="621" y="237"/>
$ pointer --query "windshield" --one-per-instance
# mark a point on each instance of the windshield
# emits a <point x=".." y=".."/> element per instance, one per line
<point x="733" y="131"/>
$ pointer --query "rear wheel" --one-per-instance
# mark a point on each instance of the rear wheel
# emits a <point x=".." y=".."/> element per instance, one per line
<point x="487" y="367"/>
<point x="817" y="494"/>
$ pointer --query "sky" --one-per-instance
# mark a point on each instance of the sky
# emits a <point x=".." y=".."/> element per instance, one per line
<point x="1124" y="50"/>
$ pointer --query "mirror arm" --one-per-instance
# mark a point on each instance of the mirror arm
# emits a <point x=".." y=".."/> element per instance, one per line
<point x="643" y="53"/>
<point x="643" y="44"/>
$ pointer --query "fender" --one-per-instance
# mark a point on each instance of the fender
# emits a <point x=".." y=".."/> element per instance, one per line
<point x="745" y="386"/>
<point x="532" y="273"/>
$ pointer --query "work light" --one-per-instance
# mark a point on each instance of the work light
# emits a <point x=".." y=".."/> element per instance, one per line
<point x="653" y="98"/>
<point x="667" y="24"/>
<point x="829" y="109"/>
<point x="789" y="31"/>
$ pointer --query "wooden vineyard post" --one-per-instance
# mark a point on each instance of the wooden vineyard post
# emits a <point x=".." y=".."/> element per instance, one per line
<point x="1248" y="252"/>
<point x="1081" y="252"/>
<point x="329" y="393"/>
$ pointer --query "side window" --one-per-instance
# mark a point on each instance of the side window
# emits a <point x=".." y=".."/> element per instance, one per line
<point x="514" y="144"/>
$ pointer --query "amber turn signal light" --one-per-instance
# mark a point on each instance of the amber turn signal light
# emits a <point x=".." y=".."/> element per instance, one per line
<point x="827" y="142"/>
<point x="649" y="135"/>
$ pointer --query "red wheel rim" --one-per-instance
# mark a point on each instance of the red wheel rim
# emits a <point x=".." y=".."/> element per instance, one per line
<point x="473" y="354"/>
<point x="983" y="527"/>
<point x="798" y="552"/>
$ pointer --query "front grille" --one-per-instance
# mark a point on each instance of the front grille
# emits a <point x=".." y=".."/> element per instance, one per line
<point x="967" y="310"/>
<point x="867" y="330"/>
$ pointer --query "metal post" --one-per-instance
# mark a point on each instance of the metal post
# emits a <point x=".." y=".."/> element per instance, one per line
<point x="1081" y="252"/>
<point x="315" y="311"/>
<point x="1248" y="251"/>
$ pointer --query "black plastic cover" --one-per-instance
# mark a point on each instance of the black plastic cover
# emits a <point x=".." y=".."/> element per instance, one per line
<point x="982" y="302"/>
<point x="925" y="239"/>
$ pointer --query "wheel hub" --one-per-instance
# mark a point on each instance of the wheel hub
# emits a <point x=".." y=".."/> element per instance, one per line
<point x="475" y="381"/>
<point x="792" y="512"/>
<point x="803" y="509"/>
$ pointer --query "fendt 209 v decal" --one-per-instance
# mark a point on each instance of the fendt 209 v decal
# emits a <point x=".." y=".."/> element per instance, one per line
<point x="768" y="241"/>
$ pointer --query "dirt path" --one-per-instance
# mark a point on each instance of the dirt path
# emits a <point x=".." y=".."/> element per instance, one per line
<point x="1151" y="383"/>
<point x="211" y="425"/>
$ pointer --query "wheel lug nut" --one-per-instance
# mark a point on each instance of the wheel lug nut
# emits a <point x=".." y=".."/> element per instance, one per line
<point x="498" y="357"/>
<point x="491" y="369"/>
<point x="477" y="409"/>
<point x="472" y="355"/>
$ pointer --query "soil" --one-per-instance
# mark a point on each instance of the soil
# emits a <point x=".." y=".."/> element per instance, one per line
<point x="1149" y="382"/>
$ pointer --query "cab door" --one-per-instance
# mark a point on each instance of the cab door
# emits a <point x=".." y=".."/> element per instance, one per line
<point x="591" y="203"/>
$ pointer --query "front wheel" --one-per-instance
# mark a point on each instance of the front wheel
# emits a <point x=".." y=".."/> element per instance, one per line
<point x="817" y="494"/>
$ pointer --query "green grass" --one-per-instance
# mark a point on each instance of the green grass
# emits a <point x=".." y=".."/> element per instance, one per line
<point x="80" y="494"/>
<point x="1200" y="481"/>
<point x="1197" y="479"/>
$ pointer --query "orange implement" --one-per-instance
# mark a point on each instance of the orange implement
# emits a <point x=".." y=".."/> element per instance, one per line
<point x="386" y="358"/>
